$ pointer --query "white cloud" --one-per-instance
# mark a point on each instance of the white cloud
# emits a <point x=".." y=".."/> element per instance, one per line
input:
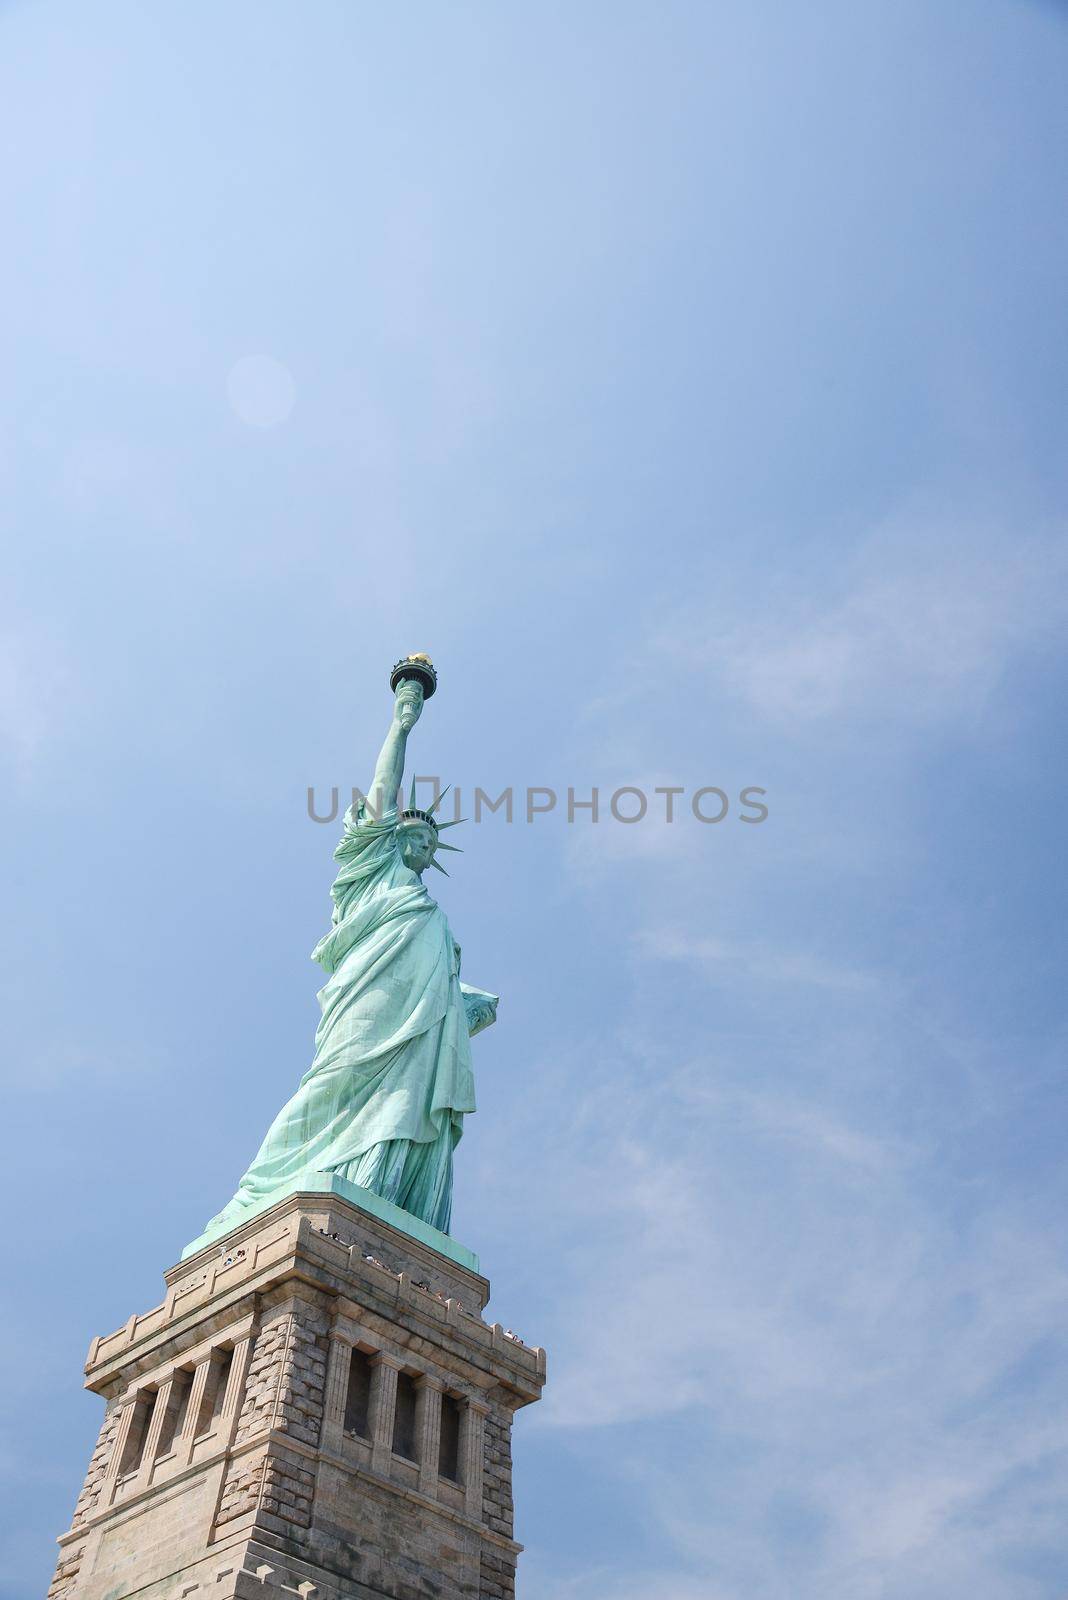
<point x="758" y="962"/>
<point x="786" y="1280"/>
<point x="770" y="1232"/>
<point x="925" y="623"/>
<point x="807" y="1126"/>
<point x="604" y="1583"/>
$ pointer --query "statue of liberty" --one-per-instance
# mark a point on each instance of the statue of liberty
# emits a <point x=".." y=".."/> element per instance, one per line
<point x="384" y="1100"/>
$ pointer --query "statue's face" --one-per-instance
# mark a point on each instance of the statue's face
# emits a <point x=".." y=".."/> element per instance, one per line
<point x="408" y="703"/>
<point x="417" y="845"/>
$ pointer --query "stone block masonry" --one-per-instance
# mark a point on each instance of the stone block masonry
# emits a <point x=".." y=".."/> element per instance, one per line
<point x="318" y="1408"/>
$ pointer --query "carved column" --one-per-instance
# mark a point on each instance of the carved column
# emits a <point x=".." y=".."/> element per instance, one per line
<point x="337" y="1386"/>
<point x="184" y="1445"/>
<point x="383" y="1407"/>
<point x="150" y="1448"/>
<point x="235" y="1389"/>
<point x="427" y="1432"/>
<point x="122" y="1434"/>
<point x="211" y="1387"/>
<point x="472" y="1449"/>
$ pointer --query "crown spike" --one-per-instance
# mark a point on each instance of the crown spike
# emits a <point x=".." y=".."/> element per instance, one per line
<point x="438" y="799"/>
<point x="455" y="824"/>
<point x="441" y="845"/>
<point x="411" y="795"/>
<point x="438" y="864"/>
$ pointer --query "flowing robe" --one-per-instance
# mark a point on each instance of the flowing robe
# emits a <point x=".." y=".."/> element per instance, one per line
<point x="384" y="1100"/>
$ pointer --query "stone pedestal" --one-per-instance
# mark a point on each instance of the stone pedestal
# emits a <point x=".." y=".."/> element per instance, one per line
<point x="318" y="1409"/>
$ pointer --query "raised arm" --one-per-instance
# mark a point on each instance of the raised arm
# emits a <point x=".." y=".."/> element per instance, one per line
<point x="407" y="709"/>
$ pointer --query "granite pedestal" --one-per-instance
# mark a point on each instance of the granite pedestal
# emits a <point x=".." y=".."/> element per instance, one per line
<point x="318" y="1408"/>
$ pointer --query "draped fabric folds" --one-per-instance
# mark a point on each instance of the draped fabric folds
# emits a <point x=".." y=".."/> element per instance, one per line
<point x="384" y="1100"/>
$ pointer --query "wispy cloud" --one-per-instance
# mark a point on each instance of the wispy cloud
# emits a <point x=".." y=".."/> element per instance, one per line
<point x="922" y="623"/>
<point x="795" y="1285"/>
<point x="758" y="962"/>
<point x="810" y="1127"/>
<point x="604" y="1583"/>
<point x="792" y="1257"/>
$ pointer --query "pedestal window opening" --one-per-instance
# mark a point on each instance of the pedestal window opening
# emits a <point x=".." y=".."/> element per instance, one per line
<point x="358" y="1395"/>
<point x="449" y="1439"/>
<point x="404" y="1417"/>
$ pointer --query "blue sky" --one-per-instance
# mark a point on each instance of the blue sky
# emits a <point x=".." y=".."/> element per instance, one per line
<point x="689" y="381"/>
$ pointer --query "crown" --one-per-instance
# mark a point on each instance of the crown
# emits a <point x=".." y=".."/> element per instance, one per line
<point x="414" y="814"/>
<point x="418" y="666"/>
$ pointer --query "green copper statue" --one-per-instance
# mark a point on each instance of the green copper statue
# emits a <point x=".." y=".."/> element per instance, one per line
<point x="384" y="1100"/>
